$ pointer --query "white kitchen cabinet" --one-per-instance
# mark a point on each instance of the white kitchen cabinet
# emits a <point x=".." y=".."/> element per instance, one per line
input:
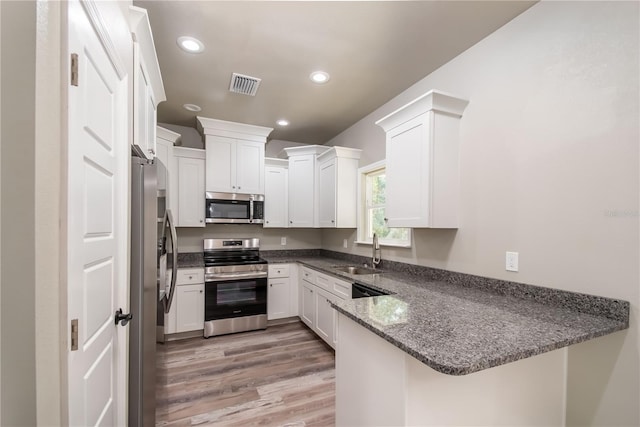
<point x="189" y="307"/>
<point x="190" y="188"/>
<point x="276" y="196"/>
<point x="279" y="293"/>
<point x="308" y="304"/>
<point x="337" y="187"/>
<point x="317" y="292"/>
<point x="325" y="316"/>
<point x="234" y="156"/>
<point x="303" y="185"/>
<point x="187" y="310"/>
<point x="148" y="90"/>
<point x="422" y="156"/>
<point x="167" y="183"/>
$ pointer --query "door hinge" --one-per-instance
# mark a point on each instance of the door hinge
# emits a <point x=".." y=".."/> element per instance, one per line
<point x="74" y="334"/>
<point x="74" y="69"/>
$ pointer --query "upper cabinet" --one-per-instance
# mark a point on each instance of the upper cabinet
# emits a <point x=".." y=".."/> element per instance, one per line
<point x="234" y="156"/>
<point x="167" y="184"/>
<point x="276" y="196"/>
<point x="190" y="187"/>
<point x="148" y="90"/>
<point x="422" y="162"/>
<point x="303" y="185"/>
<point x="337" y="187"/>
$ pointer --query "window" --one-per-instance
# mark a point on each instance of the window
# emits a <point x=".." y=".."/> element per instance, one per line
<point x="371" y="208"/>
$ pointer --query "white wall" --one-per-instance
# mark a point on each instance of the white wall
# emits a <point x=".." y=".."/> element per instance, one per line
<point x="18" y="218"/>
<point x="190" y="239"/>
<point x="550" y="169"/>
<point x="275" y="146"/>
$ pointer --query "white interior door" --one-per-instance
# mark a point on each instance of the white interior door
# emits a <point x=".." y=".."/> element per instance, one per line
<point x="98" y="155"/>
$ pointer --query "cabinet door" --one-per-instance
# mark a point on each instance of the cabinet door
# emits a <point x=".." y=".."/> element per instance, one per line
<point x="325" y="321"/>
<point x="301" y="191"/>
<point x="249" y="167"/>
<point x="190" y="192"/>
<point x="278" y="298"/>
<point x="275" y="197"/>
<point x="308" y="309"/>
<point x="190" y="307"/>
<point x="163" y="153"/>
<point x="221" y="164"/>
<point x="408" y="159"/>
<point x="144" y="108"/>
<point x="327" y="193"/>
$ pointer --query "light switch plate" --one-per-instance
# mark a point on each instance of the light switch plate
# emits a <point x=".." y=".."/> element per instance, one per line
<point x="283" y="241"/>
<point x="344" y="243"/>
<point x="512" y="261"/>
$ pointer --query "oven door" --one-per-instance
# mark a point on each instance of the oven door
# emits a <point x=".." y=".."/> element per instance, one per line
<point x="230" y="295"/>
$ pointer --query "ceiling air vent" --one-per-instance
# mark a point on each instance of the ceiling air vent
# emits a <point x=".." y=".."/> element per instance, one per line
<point x="245" y="85"/>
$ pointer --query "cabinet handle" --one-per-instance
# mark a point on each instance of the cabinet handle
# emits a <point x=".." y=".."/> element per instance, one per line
<point x="290" y="222"/>
<point x="333" y="221"/>
<point x="190" y="277"/>
<point x="238" y="187"/>
<point x="271" y="285"/>
<point x="386" y="219"/>
<point x="200" y="290"/>
<point x="200" y="221"/>
<point x="311" y="290"/>
<point x="267" y="222"/>
<point x="233" y="186"/>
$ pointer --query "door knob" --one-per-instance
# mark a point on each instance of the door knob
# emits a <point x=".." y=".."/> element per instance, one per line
<point x="123" y="319"/>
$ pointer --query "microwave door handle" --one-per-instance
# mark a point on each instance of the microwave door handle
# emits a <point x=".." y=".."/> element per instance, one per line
<point x="174" y="265"/>
<point x="250" y="209"/>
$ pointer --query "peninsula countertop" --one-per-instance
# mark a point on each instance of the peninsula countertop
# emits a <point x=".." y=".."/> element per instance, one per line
<point x="464" y="327"/>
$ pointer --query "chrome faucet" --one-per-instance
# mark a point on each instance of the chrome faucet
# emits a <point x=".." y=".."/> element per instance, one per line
<point x="375" y="258"/>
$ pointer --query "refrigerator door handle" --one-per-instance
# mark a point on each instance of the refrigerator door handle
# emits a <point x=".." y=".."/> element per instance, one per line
<point x="168" y="221"/>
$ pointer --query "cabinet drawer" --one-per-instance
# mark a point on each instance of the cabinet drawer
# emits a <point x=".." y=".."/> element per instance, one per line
<point x="188" y="276"/>
<point x="278" y="270"/>
<point x="324" y="282"/>
<point x="308" y="275"/>
<point x="342" y="289"/>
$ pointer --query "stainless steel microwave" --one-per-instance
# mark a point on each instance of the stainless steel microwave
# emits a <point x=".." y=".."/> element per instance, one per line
<point x="233" y="208"/>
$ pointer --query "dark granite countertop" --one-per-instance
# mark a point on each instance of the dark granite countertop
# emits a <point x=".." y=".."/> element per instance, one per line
<point x="190" y="260"/>
<point x="459" y="324"/>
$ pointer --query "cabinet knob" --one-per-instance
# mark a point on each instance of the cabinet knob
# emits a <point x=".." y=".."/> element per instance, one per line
<point x="200" y="290"/>
<point x="267" y="222"/>
<point x="200" y="221"/>
<point x="311" y="290"/>
<point x="333" y="221"/>
<point x="238" y="187"/>
<point x="290" y="222"/>
<point x="271" y="285"/>
<point x="233" y="186"/>
<point x="152" y="151"/>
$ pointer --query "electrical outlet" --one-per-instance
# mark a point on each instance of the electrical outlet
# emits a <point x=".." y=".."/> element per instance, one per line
<point x="345" y="244"/>
<point x="283" y="241"/>
<point x="512" y="261"/>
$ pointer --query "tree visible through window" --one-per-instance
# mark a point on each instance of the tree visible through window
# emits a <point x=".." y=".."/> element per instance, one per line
<point x="373" y="185"/>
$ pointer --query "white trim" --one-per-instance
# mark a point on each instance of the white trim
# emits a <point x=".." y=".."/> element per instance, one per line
<point x="208" y="126"/>
<point x="100" y="27"/>
<point x="168" y="135"/>
<point x="143" y="37"/>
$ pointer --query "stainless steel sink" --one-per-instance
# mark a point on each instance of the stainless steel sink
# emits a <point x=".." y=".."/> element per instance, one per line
<point x="354" y="269"/>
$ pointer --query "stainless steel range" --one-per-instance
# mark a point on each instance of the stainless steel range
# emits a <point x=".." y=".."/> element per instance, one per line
<point x="235" y="286"/>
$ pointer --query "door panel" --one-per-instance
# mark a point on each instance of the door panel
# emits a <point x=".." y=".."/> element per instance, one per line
<point x="98" y="153"/>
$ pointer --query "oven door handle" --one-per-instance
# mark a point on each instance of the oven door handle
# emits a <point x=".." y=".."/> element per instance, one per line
<point x="222" y="277"/>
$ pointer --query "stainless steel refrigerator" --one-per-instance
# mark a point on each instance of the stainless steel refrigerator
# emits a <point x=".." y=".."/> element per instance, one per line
<point x="147" y="285"/>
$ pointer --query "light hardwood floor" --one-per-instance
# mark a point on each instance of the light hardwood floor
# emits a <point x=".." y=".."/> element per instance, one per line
<point x="283" y="376"/>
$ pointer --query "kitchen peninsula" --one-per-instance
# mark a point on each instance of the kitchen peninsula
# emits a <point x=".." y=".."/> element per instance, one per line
<point x="447" y="348"/>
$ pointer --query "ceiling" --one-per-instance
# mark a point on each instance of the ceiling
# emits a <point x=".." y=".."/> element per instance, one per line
<point x="372" y="51"/>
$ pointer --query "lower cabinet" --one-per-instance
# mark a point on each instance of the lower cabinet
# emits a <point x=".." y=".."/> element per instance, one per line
<point x="317" y="292"/>
<point x="187" y="310"/>
<point x="190" y="307"/>
<point x="282" y="295"/>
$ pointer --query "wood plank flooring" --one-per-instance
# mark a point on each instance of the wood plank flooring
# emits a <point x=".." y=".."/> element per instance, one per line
<point x="284" y="376"/>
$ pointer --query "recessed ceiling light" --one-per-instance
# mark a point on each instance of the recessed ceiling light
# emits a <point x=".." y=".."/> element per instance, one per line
<point x="319" y="77"/>
<point x="190" y="45"/>
<point x="192" y="107"/>
<point x="283" y="122"/>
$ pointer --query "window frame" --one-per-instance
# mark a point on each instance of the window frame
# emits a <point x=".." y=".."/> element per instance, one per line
<point x="362" y="223"/>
